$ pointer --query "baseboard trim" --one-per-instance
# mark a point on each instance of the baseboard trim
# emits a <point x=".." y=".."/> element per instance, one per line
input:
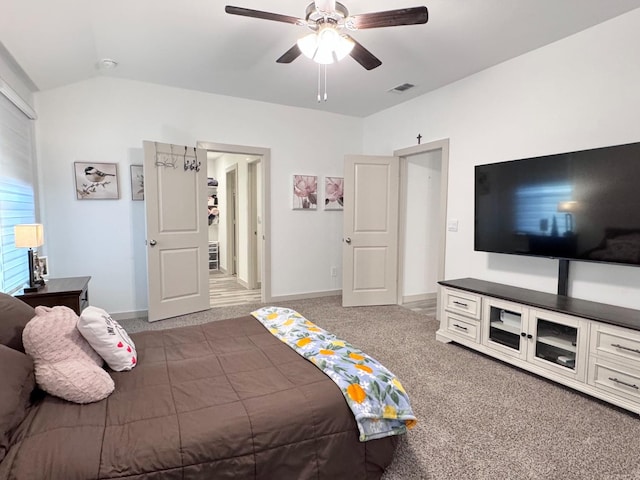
<point x="243" y="283"/>
<point x="304" y="296"/>
<point x="141" y="314"/>
<point x="420" y="297"/>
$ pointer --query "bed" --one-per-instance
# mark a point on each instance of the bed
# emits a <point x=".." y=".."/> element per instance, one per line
<point x="220" y="400"/>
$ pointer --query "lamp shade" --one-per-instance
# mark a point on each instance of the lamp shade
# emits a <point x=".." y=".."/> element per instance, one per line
<point x="568" y="206"/>
<point x="29" y="235"/>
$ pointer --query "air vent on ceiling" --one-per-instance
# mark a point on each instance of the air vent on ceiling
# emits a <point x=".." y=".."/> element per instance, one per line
<point x="402" y="88"/>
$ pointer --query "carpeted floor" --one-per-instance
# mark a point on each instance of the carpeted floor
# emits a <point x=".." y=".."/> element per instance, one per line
<point x="478" y="418"/>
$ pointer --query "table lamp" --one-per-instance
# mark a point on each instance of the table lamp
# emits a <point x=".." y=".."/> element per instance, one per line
<point x="30" y="236"/>
<point x="568" y="208"/>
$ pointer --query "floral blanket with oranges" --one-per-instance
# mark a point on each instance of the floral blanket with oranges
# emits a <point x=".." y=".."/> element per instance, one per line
<point x="374" y="394"/>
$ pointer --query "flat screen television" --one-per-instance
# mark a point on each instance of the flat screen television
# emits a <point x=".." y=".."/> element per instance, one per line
<point x="581" y="205"/>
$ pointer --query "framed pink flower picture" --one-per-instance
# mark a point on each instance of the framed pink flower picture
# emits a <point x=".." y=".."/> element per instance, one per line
<point x="333" y="193"/>
<point x="305" y="192"/>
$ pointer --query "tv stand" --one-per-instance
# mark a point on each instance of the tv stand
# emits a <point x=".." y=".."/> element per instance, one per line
<point x="588" y="346"/>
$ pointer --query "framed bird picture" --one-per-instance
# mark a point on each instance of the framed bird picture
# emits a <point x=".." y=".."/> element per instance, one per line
<point x="96" y="181"/>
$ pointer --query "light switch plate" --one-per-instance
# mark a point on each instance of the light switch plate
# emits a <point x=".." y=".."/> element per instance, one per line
<point x="452" y="225"/>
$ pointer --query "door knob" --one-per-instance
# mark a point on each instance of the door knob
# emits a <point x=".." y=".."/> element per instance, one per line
<point x="348" y="240"/>
<point x="153" y="243"/>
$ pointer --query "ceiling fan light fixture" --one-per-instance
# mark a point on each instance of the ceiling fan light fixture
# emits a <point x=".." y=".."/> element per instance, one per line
<point x="325" y="47"/>
<point x="308" y="45"/>
<point x="327" y="43"/>
<point x="344" y="47"/>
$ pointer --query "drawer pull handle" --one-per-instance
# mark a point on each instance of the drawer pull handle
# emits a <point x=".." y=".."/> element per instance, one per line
<point x="622" y="347"/>
<point x="460" y="327"/>
<point x="613" y="379"/>
<point x="460" y="304"/>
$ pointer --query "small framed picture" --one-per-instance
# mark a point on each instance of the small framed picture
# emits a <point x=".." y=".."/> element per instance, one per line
<point x="305" y="192"/>
<point x="137" y="182"/>
<point x="96" y="181"/>
<point x="333" y="193"/>
<point x="43" y="266"/>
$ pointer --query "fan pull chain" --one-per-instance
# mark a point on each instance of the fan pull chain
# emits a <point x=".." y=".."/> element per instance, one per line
<point x="322" y="68"/>
<point x="325" y="83"/>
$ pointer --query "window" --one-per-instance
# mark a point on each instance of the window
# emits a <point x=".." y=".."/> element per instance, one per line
<point x="537" y="209"/>
<point x="17" y="200"/>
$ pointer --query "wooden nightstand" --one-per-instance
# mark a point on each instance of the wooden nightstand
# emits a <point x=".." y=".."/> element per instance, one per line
<point x="70" y="292"/>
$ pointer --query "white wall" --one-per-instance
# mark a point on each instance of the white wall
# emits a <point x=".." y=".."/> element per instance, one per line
<point x="106" y="120"/>
<point x="579" y="93"/>
<point x="422" y="228"/>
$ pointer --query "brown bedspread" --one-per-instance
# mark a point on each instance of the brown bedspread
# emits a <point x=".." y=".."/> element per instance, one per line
<point x="220" y="400"/>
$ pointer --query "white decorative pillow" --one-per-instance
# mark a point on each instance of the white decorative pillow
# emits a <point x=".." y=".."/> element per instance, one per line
<point x="108" y="338"/>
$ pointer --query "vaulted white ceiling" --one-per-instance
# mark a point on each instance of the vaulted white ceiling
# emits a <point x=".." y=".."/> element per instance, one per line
<point x="194" y="44"/>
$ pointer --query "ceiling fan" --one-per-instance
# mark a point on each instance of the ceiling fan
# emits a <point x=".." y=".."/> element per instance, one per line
<point x="327" y="20"/>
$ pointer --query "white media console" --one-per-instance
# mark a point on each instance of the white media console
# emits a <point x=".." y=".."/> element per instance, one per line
<point x="588" y="346"/>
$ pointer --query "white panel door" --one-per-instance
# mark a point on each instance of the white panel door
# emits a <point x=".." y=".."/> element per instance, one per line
<point x="175" y="182"/>
<point x="370" y="243"/>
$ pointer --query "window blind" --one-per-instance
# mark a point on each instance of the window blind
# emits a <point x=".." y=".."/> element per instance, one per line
<point x="17" y="199"/>
<point x="537" y="208"/>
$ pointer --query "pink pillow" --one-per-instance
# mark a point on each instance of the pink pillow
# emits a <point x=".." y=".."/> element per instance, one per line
<point x="65" y="364"/>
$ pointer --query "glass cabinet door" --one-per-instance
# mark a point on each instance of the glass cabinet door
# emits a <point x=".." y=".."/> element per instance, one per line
<point x="556" y="343"/>
<point x="505" y="329"/>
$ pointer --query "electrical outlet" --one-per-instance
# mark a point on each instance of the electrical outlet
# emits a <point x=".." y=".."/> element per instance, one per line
<point x="334" y="271"/>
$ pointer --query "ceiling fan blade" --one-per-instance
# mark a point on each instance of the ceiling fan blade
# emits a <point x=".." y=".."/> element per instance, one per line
<point x="363" y="56"/>
<point x="390" y="18"/>
<point x="276" y="17"/>
<point x="290" y="55"/>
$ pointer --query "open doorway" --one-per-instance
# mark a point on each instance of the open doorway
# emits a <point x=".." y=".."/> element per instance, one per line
<point x="422" y="223"/>
<point x="238" y="228"/>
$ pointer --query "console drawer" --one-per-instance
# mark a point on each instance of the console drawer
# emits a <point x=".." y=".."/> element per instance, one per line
<point x="463" y="303"/>
<point x="616" y="343"/>
<point x="463" y="327"/>
<point x="614" y="379"/>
